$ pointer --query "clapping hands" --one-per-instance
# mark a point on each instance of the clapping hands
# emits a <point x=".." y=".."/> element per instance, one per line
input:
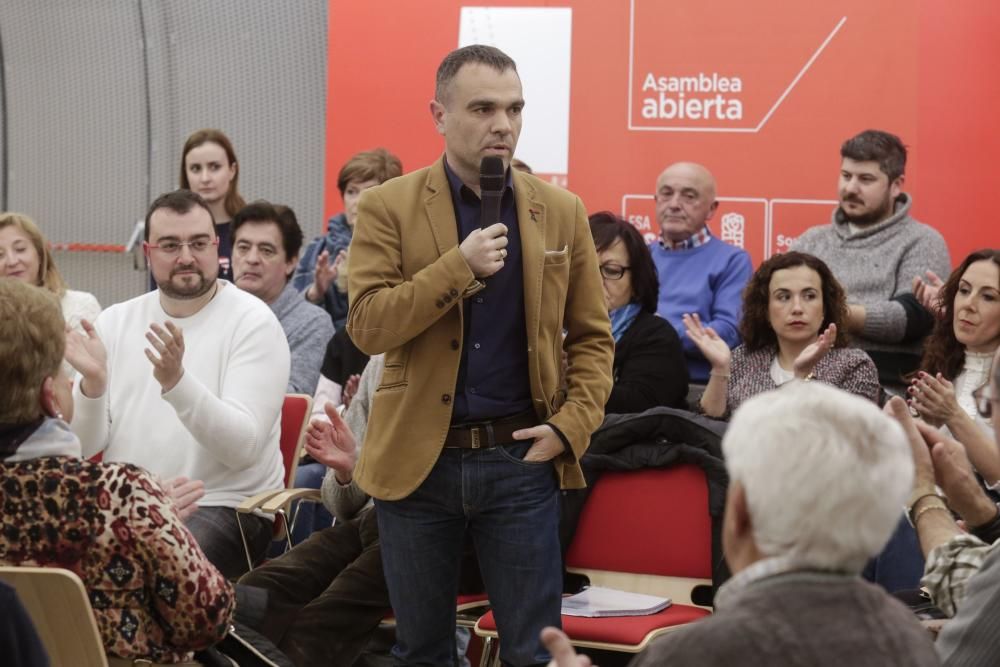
<point x="715" y="350"/>
<point x="332" y="444"/>
<point x="810" y="356"/>
<point x="324" y="275"/>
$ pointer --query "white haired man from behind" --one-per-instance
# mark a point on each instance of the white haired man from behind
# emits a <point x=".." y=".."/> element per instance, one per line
<point x="817" y="480"/>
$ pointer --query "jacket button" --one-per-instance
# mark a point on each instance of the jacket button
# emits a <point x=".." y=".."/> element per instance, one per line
<point x="453" y="292"/>
<point x="454" y="344"/>
<point x="439" y="303"/>
<point x="447" y="299"/>
<point x="446" y="398"/>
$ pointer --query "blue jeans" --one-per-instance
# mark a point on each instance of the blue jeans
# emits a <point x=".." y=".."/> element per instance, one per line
<point x="217" y="532"/>
<point x="512" y="510"/>
<point x="900" y="565"/>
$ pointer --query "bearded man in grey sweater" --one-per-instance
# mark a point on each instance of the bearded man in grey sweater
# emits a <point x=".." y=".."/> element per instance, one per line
<point x="875" y="249"/>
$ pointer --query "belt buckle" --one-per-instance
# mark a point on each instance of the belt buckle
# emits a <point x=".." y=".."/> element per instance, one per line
<point x="474" y="433"/>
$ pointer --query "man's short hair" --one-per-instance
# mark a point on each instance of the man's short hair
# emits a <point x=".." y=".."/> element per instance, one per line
<point x="877" y="146"/>
<point x="180" y="202"/>
<point x="377" y="165"/>
<point x="261" y="211"/>
<point x="825" y="473"/>
<point x="34" y="339"/>
<point x="474" y="53"/>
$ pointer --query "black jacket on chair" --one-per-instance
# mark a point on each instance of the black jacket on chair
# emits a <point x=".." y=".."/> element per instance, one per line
<point x="657" y="438"/>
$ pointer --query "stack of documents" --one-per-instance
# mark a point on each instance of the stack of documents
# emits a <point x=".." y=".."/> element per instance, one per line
<point x="597" y="602"/>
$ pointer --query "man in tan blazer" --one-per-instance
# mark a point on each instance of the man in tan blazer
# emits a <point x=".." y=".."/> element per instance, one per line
<point x="475" y="425"/>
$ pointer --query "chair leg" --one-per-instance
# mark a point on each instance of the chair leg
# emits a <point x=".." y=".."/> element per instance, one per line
<point x="246" y="547"/>
<point x="486" y="660"/>
<point x="288" y="530"/>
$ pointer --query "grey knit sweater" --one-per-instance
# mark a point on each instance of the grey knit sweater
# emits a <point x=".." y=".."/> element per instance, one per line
<point x="876" y="266"/>
<point x="344" y="501"/>
<point x="800" y="619"/>
<point x="308" y="329"/>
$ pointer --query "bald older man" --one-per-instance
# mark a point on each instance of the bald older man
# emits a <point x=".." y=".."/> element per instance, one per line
<point x="698" y="273"/>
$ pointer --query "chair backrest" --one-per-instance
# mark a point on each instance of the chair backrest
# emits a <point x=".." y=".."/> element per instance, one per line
<point x="60" y="609"/>
<point x="294" y="420"/>
<point x="649" y="522"/>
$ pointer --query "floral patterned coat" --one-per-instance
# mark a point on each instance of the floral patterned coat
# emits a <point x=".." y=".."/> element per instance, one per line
<point x="153" y="591"/>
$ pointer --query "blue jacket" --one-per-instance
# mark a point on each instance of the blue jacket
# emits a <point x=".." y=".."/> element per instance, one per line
<point x="338" y="237"/>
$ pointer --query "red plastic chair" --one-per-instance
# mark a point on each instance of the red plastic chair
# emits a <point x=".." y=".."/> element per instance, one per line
<point x="645" y="531"/>
<point x="294" y="421"/>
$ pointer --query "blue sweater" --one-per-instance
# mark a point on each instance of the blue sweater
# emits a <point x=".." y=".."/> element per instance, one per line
<point x="707" y="280"/>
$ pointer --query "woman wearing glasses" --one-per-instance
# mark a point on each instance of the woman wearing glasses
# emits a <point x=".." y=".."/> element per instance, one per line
<point x="649" y="369"/>
<point x="209" y="167"/>
<point x="25" y="256"/>
<point x="958" y="357"/>
<point x="793" y="327"/>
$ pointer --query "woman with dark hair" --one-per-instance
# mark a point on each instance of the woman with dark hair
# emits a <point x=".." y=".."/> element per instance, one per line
<point x="209" y="167"/>
<point x="958" y="358"/>
<point x="649" y="369"/>
<point x="794" y="326"/>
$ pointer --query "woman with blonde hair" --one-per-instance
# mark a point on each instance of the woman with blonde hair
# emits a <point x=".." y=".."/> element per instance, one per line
<point x="25" y="256"/>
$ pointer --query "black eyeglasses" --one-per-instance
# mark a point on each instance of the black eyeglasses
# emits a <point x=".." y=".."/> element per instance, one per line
<point x="613" y="271"/>
<point x="984" y="401"/>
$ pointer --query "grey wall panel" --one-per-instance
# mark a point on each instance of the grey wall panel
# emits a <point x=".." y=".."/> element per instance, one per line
<point x="255" y="69"/>
<point x="101" y="94"/>
<point x="76" y="124"/>
<point x="3" y="129"/>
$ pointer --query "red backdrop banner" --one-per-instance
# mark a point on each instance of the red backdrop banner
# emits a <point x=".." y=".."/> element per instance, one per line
<point x="761" y="93"/>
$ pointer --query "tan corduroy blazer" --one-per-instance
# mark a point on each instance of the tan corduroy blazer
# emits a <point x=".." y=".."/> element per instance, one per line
<point x="407" y="280"/>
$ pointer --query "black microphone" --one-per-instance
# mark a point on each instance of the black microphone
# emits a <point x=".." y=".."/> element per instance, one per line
<point x="491" y="178"/>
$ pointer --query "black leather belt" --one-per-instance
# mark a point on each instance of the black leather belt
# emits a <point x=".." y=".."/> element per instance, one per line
<point x="482" y="435"/>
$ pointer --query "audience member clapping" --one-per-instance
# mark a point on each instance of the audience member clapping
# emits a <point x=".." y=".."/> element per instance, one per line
<point x="188" y="381"/>
<point x="963" y="569"/>
<point x="155" y="595"/>
<point x="958" y="356"/>
<point x="321" y="273"/>
<point x="327" y="595"/>
<point x="792" y="327"/>
<point x="649" y="367"/>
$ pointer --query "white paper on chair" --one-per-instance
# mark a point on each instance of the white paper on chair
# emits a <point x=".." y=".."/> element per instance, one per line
<point x="597" y="601"/>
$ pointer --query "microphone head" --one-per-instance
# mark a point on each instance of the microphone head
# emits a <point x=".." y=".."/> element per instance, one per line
<point x="491" y="174"/>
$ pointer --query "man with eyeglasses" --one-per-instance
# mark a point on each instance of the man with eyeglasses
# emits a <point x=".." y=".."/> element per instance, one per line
<point x="188" y="381"/>
<point x="698" y="272"/>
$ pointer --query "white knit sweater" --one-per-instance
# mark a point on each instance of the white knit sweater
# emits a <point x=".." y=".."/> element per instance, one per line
<point x="220" y="423"/>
